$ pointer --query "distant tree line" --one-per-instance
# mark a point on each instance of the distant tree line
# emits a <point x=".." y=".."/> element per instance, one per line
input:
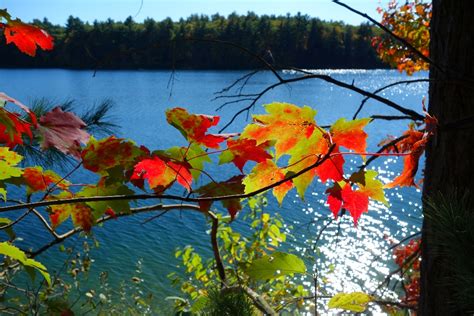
<point x="299" y="41"/>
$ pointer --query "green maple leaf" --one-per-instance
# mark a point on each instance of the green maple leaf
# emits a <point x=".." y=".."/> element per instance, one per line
<point x="8" y="161"/>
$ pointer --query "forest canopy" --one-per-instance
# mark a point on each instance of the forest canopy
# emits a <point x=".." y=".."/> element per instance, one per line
<point x="299" y="41"/>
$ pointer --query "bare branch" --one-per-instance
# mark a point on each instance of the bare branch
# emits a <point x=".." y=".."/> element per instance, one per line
<point x="401" y="109"/>
<point x="45" y="223"/>
<point x="144" y="209"/>
<point x="16" y="221"/>
<point x="391" y="117"/>
<point x="244" y="78"/>
<point x="51" y="189"/>
<point x="408" y="112"/>
<point x="407" y="82"/>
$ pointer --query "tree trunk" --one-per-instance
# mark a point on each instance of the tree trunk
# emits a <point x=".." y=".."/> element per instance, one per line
<point x="450" y="155"/>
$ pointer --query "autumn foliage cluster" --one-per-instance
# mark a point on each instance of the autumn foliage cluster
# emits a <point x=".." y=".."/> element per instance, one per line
<point x="407" y="258"/>
<point x="285" y="146"/>
<point x="411" y="22"/>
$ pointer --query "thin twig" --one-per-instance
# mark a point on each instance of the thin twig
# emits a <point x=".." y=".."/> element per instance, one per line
<point x="45" y="223"/>
<point x="133" y="211"/>
<point x="244" y="78"/>
<point x="61" y="180"/>
<point x="16" y="221"/>
<point x="407" y="82"/>
<point x="408" y="112"/>
<point x="391" y="117"/>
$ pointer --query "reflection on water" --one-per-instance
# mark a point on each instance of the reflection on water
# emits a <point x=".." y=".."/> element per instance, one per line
<point x="358" y="258"/>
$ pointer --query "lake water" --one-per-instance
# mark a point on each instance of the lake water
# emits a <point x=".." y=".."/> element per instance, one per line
<point x="357" y="257"/>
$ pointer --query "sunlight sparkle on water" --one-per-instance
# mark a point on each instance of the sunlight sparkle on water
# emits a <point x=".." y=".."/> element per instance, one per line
<point x="349" y="258"/>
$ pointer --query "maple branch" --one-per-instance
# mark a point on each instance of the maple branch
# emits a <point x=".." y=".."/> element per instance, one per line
<point x="320" y="233"/>
<point x="234" y="102"/>
<point x="16" y="221"/>
<point x="258" y="301"/>
<point x="408" y="112"/>
<point x="315" y="280"/>
<point x="234" y="96"/>
<point x="386" y="30"/>
<point x="401" y="109"/>
<point x="252" y="103"/>
<point x="153" y="218"/>
<point x="45" y="223"/>
<point x="148" y="196"/>
<point x="391" y="117"/>
<point x="60" y="238"/>
<point x="207" y="174"/>
<point x="392" y="247"/>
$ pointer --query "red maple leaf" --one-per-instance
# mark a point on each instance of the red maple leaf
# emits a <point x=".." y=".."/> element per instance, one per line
<point x="27" y="37"/>
<point x="242" y="150"/>
<point x="334" y="199"/>
<point x="6" y="98"/>
<point x="80" y="213"/>
<point x="354" y="201"/>
<point x="411" y="136"/>
<point x="161" y="173"/>
<point x="286" y="124"/>
<point x="414" y="143"/>
<point x="12" y="128"/>
<point x="331" y="168"/>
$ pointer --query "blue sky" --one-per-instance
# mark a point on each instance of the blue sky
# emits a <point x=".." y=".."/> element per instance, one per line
<point x="57" y="11"/>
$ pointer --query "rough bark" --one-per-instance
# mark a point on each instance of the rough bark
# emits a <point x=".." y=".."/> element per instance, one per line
<point x="450" y="155"/>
